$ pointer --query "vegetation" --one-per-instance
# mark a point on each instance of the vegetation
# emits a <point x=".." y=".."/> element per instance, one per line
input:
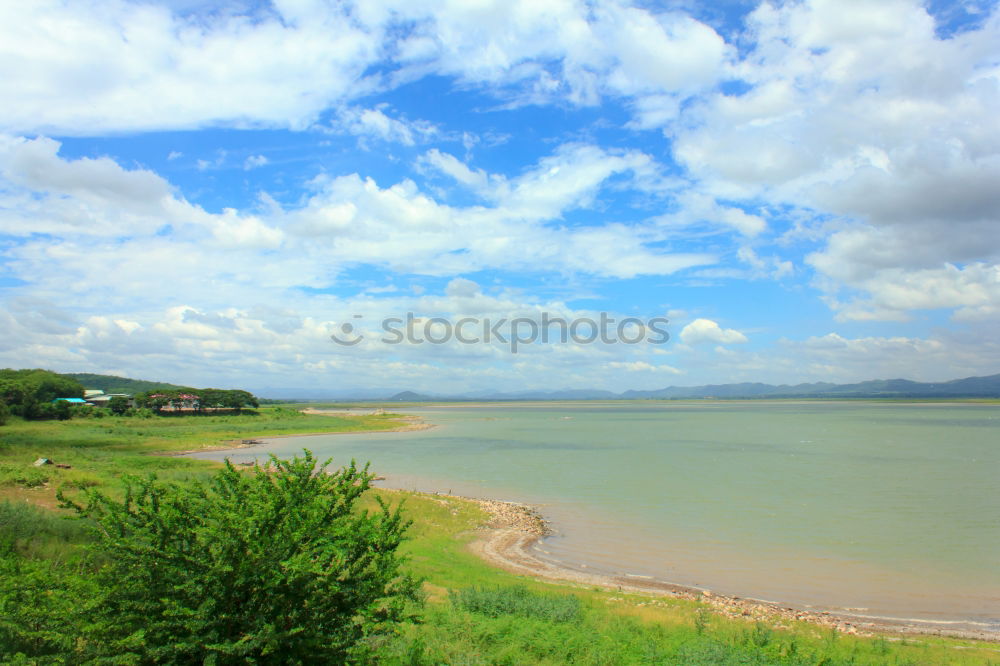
<point x="270" y="566"/>
<point x="113" y="384"/>
<point x="201" y="400"/>
<point x="118" y="405"/>
<point x="517" y="600"/>
<point x="474" y="614"/>
<point x="34" y="394"/>
<point x="29" y="393"/>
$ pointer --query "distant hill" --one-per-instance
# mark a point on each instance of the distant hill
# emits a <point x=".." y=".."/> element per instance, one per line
<point x="410" y="396"/>
<point x="969" y="387"/>
<point x="113" y="384"/>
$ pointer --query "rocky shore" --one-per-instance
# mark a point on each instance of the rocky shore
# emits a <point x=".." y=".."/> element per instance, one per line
<point x="514" y="516"/>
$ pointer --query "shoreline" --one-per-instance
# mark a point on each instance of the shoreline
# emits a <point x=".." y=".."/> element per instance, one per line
<point x="260" y="440"/>
<point x="507" y="540"/>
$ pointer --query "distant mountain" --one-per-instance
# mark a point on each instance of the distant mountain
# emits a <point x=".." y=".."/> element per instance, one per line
<point x="410" y="396"/>
<point x="113" y="384"/>
<point x="969" y="387"/>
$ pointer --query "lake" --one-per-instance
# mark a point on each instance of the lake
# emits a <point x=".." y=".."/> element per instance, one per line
<point x="883" y="509"/>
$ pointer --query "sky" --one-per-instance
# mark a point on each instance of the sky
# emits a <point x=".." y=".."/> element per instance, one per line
<point x="205" y="192"/>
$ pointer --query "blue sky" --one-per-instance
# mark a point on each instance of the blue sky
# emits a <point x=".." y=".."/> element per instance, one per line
<point x="204" y="192"/>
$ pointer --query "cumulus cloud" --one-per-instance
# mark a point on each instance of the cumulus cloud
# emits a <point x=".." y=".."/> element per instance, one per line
<point x="865" y="113"/>
<point x="935" y="358"/>
<point x="355" y="219"/>
<point x="107" y="220"/>
<point x="88" y="67"/>
<point x="185" y="337"/>
<point x="855" y="140"/>
<point x="701" y="331"/>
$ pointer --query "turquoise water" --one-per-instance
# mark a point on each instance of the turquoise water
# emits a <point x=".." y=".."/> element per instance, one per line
<point x="884" y="509"/>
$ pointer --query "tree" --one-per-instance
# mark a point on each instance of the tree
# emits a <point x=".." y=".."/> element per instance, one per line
<point x="237" y="399"/>
<point x="156" y="400"/>
<point x="28" y="392"/>
<point x="274" y="566"/>
<point x="118" y="405"/>
<point x="4" y="412"/>
<point x="212" y="398"/>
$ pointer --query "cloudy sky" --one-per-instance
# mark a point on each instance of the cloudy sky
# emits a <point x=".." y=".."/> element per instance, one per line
<point x="204" y="192"/>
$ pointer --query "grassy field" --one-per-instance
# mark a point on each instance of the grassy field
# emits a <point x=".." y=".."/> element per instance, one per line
<point x="98" y="451"/>
<point x="475" y="614"/>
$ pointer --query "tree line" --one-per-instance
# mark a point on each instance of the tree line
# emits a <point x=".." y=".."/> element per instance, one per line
<point x="200" y="400"/>
<point x="29" y="394"/>
<point x="33" y="394"/>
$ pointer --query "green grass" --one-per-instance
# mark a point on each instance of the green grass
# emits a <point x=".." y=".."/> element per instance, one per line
<point x="517" y="600"/>
<point x="475" y="614"/>
<point x="99" y="450"/>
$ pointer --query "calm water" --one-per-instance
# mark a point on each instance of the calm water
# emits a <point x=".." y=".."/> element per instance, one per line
<point x="889" y="510"/>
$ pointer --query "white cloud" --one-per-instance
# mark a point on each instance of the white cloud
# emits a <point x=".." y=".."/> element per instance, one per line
<point x="942" y="357"/>
<point x="254" y="162"/>
<point x="702" y="331"/>
<point x="462" y="288"/>
<point x="696" y="208"/>
<point x="861" y="112"/>
<point x="772" y="267"/>
<point x="89" y="67"/>
<point x="475" y="179"/>
<point x="376" y="124"/>
<point x="642" y="366"/>
<point x="891" y="271"/>
<point x="132" y="225"/>
<point x="350" y="219"/>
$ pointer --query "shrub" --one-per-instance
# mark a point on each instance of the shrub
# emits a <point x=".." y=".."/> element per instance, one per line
<point x="251" y="567"/>
<point x="517" y="600"/>
<point x="13" y="474"/>
<point x="38" y="600"/>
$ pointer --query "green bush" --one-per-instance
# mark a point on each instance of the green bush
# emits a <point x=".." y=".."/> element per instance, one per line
<point x="517" y="600"/>
<point x="4" y="413"/>
<point x="83" y="411"/>
<point x="39" y="602"/>
<point x="275" y="566"/>
<point x="12" y="474"/>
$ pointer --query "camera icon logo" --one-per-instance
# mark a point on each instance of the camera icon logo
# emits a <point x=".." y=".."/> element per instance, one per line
<point x="347" y="337"/>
